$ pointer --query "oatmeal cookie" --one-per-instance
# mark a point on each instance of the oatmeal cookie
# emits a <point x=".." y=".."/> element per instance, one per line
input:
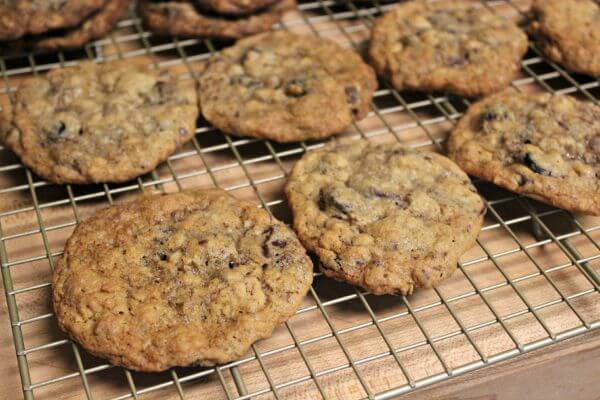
<point x="194" y="277"/>
<point x="455" y="46"/>
<point x="235" y="7"/>
<point x="93" y="27"/>
<point x="285" y="87"/>
<point x="185" y="18"/>
<point x="568" y="32"/>
<point x="22" y="17"/>
<point x="100" y="122"/>
<point x="384" y="217"/>
<point x="540" y="145"/>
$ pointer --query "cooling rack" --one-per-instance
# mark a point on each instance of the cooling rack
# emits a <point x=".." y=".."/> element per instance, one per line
<point x="532" y="279"/>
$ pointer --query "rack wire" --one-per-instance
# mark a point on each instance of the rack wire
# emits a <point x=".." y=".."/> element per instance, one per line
<point x="532" y="280"/>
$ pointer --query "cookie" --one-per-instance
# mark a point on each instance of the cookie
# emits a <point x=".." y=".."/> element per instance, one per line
<point x="22" y="17"/>
<point x="234" y="7"/>
<point x="540" y="145"/>
<point x="185" y="18"/>
<point x="93" y="27"/>
<point x="173" y="280"/>
<point x="456" y="46"/>
<point x="285" y="87"/>
<point x="568" y="32"/>
<point x="100" y="122"/>
<point x="384" y="217"/>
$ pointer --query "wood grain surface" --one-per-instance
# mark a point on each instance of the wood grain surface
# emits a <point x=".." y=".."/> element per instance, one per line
<point x="510" y="272"/>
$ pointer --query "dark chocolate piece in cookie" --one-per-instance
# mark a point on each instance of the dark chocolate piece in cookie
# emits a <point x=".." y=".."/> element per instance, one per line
<point x="285" y="87"/>
<point x="185" y="18"/>
<point x="455" y="46"/>
<point x="171" y="280"/>
<point x="384" y="217"/>
<point x="100" y="122"/>
<point x="568" y="32"/>
<point x="540" y="145"/>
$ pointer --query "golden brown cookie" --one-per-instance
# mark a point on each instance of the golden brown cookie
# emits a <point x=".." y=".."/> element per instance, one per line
<point x="286" y="87"/>
<point x="172" y="280"/>
<point x="93" y="27"/>
<point x="384" y="217"/>
<point x="540" y="145"/>
<point x="185" y="18"/>
<point x="22" y="17"/>
<point x="448" y="45"/>
<point x="235" y="7"/>
<point x="100" y="122"/>
<point x="568" y="32"/>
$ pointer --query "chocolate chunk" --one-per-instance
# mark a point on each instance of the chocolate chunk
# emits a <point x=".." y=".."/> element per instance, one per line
<point x="535" y="167"/>
<point x="327" y="199"/>
<point x="265" y="247"/>
<point x="295" y="88"/>
<point x="57" y="131"/>
<point x="232" y="264"/>
<point x="161" y="89"/>
<point x="279" y="243"/>
<point x="162" y="256"/>
<point x="266" y="250"/>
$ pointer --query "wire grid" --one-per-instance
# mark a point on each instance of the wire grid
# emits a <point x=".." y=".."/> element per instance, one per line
<point x="341" y="336"/>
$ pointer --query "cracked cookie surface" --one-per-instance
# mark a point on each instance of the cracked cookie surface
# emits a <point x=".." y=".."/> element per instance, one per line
<point x="384" y="217"/>
<point x="451" y="46"/>
<point x="193" y="277"/>
<point x="285" y="87"/>
<point x="185" y="18"/>
<point x="22" y="17"/>
<point x="235" y="7"/>
<point x="100" y="122"/>
<point x="540" y="145"/>
<point x="568" y="32"/>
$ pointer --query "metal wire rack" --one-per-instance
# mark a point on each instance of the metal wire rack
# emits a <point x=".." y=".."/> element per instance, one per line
<point x="532" y="280"/>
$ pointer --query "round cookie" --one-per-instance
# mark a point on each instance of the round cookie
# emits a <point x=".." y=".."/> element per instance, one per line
<point x="540" y="145"/>
<point x="21" y="17"/>
<point x="173" y="280"/>
<point x="93" y="27"/>
<point x="100" y="122"/>
<point x="285" y="87"/>
<point x="568" y="32"/>
<point x="452" y="46"/>
<point x="384" y="217"/>
<point x="184" y="18"/>
<point x="235" y="7"/>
